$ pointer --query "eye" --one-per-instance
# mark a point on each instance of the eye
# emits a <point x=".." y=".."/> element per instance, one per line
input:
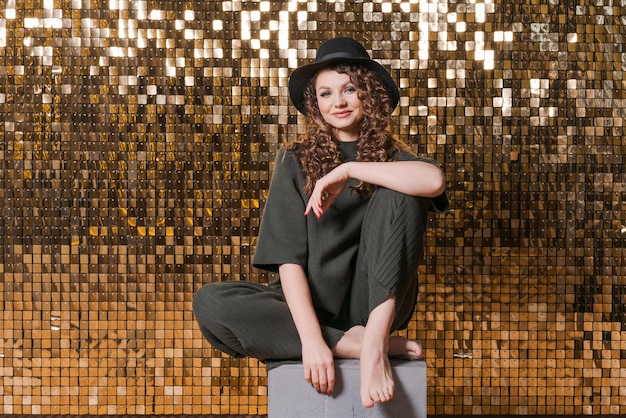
<point x="324" y="93"/>
<point x="350" y="89"/>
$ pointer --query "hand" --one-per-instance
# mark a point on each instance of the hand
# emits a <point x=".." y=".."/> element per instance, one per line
<point x="319" y="367"/>
<point x="327" y="189"/>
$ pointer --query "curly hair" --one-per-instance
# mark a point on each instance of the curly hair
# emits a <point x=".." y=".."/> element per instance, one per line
<point x="318" y="150"/>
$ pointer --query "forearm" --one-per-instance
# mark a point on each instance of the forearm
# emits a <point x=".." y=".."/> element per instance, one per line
<point x="414" y="178"/>
<point x="317" y="358"/>
<point x="298" y="297"/>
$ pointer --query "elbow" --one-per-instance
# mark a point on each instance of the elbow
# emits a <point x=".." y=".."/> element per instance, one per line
<point x="438" y="184"/>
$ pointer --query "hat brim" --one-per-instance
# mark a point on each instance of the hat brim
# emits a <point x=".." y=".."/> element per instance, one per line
<point x="302" y="75"/>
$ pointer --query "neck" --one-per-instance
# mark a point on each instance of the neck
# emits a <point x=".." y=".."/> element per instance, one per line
<point x="344" y="136"/>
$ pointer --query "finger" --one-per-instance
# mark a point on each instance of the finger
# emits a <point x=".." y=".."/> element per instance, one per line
<point x="314" y="206"/>
<point x="307" y="375"/>
<point x="315" y="380"/>
<point x="330" y="372"/>
<point x="308" y="208"/>
<point x="323" y="386"/>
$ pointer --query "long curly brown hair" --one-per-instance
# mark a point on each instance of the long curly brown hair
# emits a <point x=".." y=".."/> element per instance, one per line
<point x="318" y="150"/>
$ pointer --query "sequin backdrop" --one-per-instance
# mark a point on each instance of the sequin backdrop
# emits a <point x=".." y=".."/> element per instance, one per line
<point x="137" y="140"/>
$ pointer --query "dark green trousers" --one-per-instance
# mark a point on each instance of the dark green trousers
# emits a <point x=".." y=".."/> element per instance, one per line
<point x="251" y="319"/>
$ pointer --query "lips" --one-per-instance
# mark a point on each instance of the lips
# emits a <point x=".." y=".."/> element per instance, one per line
<point x="342" y="114"/>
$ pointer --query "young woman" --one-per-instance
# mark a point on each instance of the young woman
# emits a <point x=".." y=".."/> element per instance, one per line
<point x="342" y="226"/>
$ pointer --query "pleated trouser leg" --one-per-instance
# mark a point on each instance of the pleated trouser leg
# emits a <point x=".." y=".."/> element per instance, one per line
<point x="391" y="248"/>
<point x="246" y="319"/>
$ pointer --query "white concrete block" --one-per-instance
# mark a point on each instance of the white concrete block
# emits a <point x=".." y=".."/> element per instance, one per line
<point x="290" y="396"/>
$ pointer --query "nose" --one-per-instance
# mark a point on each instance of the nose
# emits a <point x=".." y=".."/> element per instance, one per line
<point x="340" y="101"/>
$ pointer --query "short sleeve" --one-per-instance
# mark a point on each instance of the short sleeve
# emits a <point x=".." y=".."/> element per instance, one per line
<point x="283" y="233"/>
<point x="440" y="203"/>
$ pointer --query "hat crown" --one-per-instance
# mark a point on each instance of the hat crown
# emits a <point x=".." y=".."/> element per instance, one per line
<point x="341" y="48"/>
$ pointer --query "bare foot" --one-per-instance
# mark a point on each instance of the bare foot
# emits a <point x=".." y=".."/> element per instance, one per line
<point x="404" y="348"/>
<point x="377" y="383"/>
<point x="349" y="346"/>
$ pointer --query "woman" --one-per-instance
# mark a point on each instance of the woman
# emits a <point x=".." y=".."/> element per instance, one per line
<point x="343" y="227"/>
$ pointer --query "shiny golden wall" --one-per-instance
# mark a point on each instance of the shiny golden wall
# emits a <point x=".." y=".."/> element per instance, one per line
<point x="136" y="141"/>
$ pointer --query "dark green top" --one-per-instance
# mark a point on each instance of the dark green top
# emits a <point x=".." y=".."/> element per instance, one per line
<point x="326" y="247"/>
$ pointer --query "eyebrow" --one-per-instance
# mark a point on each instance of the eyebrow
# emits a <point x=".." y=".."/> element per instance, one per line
<point x="343" y="86"/>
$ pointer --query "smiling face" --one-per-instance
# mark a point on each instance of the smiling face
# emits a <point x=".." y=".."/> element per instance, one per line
<point x="339" y="103"/>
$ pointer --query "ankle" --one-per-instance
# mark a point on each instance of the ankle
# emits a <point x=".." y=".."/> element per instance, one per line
<point x="350" y="344"/>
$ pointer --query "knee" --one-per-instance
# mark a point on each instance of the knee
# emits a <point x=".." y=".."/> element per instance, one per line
<point x="401" y="205"/>
<point x="206" y="301"/>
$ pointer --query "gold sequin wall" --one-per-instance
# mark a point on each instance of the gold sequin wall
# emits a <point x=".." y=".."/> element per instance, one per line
<point x="136" y="148"/>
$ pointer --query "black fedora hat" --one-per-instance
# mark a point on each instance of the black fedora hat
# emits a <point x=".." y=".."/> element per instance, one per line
<point x="338" y="51"/>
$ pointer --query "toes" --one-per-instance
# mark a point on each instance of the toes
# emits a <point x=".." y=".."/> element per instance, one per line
<point x="366" y="401"/>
